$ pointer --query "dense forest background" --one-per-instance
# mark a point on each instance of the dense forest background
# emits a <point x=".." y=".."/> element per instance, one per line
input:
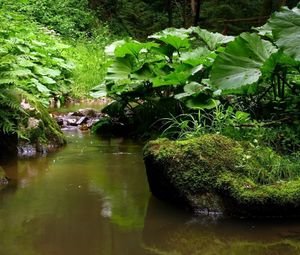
<point x="139" y="18"/>
<point x="53" y="50"/>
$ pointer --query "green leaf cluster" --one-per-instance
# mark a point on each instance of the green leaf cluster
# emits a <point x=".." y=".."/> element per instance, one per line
<point x="264" y="61"/>
<point x="31" y="63"/>
<point x="173" y="63"/>
<point x="31" y="59"/>
<point x="70" y="18"/>
<point x="197" y="68"/>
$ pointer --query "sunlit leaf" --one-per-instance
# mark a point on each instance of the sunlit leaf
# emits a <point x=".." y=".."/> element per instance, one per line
<point x="241" y="62"/>
<point x="286" y="31"/>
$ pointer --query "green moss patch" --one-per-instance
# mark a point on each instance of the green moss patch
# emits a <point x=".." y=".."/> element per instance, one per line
<point x="218" y="172"/>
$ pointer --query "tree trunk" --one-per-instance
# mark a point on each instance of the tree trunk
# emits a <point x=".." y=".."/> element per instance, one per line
<point x="193" y="7"/>
<point x="197" y="15"/>
<point x="266" y="10"/>
<point x="170" y="13"/>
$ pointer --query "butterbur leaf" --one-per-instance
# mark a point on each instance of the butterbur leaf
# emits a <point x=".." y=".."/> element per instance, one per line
<point x="40" y="87"/>
<point x="285" y="27"/>
<point x="212" y="40"/>
<point x="190" y="89"/>
<point x="174" y="78"/>
<point x="199" y="103"/>
<point x="99" y="91"/>
<point x="110" y="49"/>
<point x="195" y="57"/>
<point x="166" y="50"/>
<point x="132" y="48"/>
<point x="264" y="30"/>
<point x="176" y="42"/>
<point x="120" y="69"/>
<point x="177" y="38"/>
<point x="193" y="88"/>
<point x="241" y="62"/>
<point x="178" y="32"/>
<point x="143" y="73"/>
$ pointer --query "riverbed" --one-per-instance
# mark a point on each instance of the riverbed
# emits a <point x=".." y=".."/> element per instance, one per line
<point x="92" y="198"/>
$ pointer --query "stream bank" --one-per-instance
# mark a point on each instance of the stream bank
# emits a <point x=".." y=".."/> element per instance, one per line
<point x="92" y="198"/>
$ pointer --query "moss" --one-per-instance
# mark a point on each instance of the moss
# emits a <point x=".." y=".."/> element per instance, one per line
<point x="46" y="132"/>
<point x="242" y="175"/>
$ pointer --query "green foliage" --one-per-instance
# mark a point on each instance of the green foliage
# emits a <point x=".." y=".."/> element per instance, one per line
<point x="139" y="18"/>
<point x="31" y="59"/>
<point x="167" y="66"/>
<point x="241" y="62"/>
<point x="90" y="62"/>
<point x="163" y="75"/>
<point x="196" y="68"/>
<point x="31" y="62"/>
<point x="238" y="125"/>
<point x="221" y="121"/>
<point x="10" y="111"/>
<point x="268" y="66"/>
<point x="285" y="27"/>
<point x="70" y="18"/>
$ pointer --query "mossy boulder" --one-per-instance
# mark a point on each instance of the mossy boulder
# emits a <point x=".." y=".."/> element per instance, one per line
<point x="215" y="174"/>
<point x="37" y="132"/>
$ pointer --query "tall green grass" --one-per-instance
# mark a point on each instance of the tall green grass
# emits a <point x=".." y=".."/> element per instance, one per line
<point x="90" y="61"/>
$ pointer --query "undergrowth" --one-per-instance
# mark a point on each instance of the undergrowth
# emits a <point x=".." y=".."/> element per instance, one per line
<point x="238" y="125"/>
<point x="90" y="61"/>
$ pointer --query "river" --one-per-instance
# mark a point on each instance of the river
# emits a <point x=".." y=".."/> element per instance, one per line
<point x="92" y="198"/>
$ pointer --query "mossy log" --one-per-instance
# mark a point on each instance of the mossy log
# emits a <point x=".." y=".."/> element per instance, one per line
<point x="215" y="174"/>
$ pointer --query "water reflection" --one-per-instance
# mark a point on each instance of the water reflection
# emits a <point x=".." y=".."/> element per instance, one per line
<point x="170" y="231"/>
<point x="92" y="198"/>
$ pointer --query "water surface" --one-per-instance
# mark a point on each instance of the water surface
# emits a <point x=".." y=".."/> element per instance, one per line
<point x="92" y="198"/>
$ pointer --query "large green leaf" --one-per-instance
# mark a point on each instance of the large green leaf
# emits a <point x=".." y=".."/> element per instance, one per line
<point x="178" y="38"/>
<point x="198" y="103"/>
<point x="286" y="31"/>
<point x="178" y="32"/>
<point x="196" y="57"/>
<point x="110" y="49"/>
<point x="99" y="91"/>
<point x="212" y="40"/>
<point x="132" y="48"/>
<point x="241" y="62"/>
<point x="120" y="69"/>
<point x="191" y="89"/>
<point x="264" y="30"/>
<point x="178" y="77"/>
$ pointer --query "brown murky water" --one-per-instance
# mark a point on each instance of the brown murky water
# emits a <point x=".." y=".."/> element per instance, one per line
<point x="92" y="198"/>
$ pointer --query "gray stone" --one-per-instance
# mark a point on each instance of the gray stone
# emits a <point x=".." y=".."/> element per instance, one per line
<point x="82" y="120"/>
<point x="72" y="122"/>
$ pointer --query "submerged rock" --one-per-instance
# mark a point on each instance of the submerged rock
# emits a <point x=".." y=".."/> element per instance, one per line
<point x="82" y="120"/>
<point x="213" y="174"/>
